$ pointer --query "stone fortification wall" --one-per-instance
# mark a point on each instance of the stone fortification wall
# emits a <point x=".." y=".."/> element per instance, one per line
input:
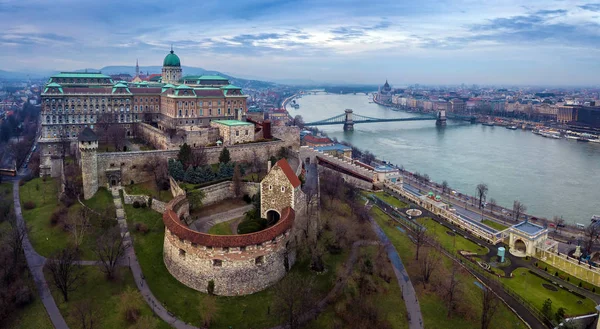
<point x="238" y="264"/>
<point x="224" y="190"/>
<point x="161" y="140"/>
<point x="290" y="134"/>
<point x="131" y="198"/>
<point x="159" y="206"/>
<point x="132" y="163"/>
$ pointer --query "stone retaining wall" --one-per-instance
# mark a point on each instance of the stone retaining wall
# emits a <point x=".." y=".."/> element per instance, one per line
<point x="224" y="190"/>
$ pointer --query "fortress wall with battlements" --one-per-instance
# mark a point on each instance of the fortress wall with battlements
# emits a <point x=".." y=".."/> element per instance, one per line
<point x="238" y="264"/>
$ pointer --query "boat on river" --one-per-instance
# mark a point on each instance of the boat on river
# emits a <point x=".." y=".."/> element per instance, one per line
<point x="550" y="134"/>
<point x="511" y="127"/>
<point x="489" y="123"/>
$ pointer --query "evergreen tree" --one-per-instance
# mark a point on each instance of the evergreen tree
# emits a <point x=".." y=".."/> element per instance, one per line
<point x="176" y="170"/>
<point x="188" y="177"/>
<point x="185" y="154"/>
<point x="224" y="157"/>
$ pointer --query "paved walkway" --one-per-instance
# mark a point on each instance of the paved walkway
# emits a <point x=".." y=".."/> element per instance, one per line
<point x="136" y="269"/>
<point x="35" y="262"/>
<point x="203" y="224"/>
<point x="415" y="318"/>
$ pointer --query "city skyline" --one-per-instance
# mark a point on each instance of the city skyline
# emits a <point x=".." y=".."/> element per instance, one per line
<point x="438" y="42"/>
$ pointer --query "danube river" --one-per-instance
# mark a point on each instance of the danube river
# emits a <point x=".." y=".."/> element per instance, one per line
<point x="551" y="177"/>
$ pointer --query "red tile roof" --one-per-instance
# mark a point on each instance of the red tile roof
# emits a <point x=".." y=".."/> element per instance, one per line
<point x="180" y="230"/>
<point x="145" y="90"/>
<point x="209" y="92"/>
<point x="317" y="140"/>
<point x="287" y="170"/>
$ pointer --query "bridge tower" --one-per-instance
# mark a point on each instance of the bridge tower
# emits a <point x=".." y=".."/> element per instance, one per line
<point x="348" y="123"/>
<point x="441" y="118"/>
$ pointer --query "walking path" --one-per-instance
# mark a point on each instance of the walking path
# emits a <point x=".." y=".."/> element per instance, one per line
<point x="35" y="262"/>
<point x="203" y="224"/>
<point x="415" y="318"/>
<point x="136" y="269"/>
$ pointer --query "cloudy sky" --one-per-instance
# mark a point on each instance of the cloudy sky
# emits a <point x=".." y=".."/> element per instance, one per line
<point x="426" y="41"/>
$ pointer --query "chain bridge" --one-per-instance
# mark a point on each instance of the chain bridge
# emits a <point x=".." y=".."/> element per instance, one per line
<point x="349" y="118"/>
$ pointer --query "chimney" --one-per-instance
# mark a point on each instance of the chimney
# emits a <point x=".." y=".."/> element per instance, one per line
<point x="268" y="166"/>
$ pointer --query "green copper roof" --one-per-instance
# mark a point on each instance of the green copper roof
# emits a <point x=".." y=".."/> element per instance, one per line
<point x="232" y="122"/>
<point x="120" y="85"/>
<point x="53" y="85"/>
<point x="95" y="75"/>
<point x="181" y="87"/>
<point x="211" y="77"/>
<point x="230" y="87"/>
<point x="167" y="86"/>
<point x="171" y="60"/>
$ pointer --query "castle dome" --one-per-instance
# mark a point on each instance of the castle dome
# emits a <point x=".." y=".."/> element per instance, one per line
<point x="172" y="60"/>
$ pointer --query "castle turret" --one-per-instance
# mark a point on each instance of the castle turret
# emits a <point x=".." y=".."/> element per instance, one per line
<point x="171" y="71"/>
<point x="88" y="147"/>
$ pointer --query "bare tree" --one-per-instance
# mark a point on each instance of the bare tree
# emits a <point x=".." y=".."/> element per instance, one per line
<point x="493" y="204"/>
<point x="330" y="184"/>
<point x="158" y="167"/>
<point x="64" y="143"/>
<point x="78" y="223"/>
<point x="110" y="248"/>
<point x="490" y="304"/>
<point x="256" y="162"/>
<point x="444" y="186"/>
<point x="518" y="209"/>
<point x="298" y="121"/>
<point x="116" y="136"/>
<point x="237" y="181"/>
<point x="591" y="235"/>
<point x="482" y="190"/>
<point x="66" y="272"/>
<point x="208" y="309"/>
<point x="145" y="322"/>
<point x="453" y="289"/>
<point x="130" y="304"/>
<point x="86" y="314"/>
<point x="420" y="237"/>
<point x="427" y="265"/>
<point x="198" y="157"/>
<point x="293" y="297"/>
<point x="558" y="222"/>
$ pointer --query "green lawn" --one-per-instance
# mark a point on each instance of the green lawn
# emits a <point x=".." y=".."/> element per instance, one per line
<point x="222" y="228"/>
<point x="433" y="308"/>
<point x="47" y="239"/>
<point x="456" y="242"/>
<point x="105" y="296"/>
<point x="250" y="311"/>
<point x="391" y="200"/>
<point x="32" y="316"/>
<point x="149" y="188"/>
<point x="562" y="274"/>
<point x="530" y="288"/>
<point x="494" y="225"/>
<point x="6" y="191"/>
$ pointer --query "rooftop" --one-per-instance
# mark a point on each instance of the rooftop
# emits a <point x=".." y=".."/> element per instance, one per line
<point x="289" y="172"/>
<point x="232" y="122"/>
<point x="529" y="228"/>
<point x="87" y="135"/>
<point x="93" y="75"/>
<point x="385" y="168"/>
<point x="334" y="147"/>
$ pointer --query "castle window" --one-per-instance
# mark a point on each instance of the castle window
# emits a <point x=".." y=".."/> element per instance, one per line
<point x="237" y="132"/>
<point x="219" y="111"/>
<point x="283" y="189"/>
<point x="181" y="240"/>
<point x="208" y="248"/>
<point x="243" y="248"/>
<point x="259" y="260"/>
<point x="194" y="244"/>
<point x="181" y="252"/>
<point x="270" y="187"/>
<point x="246" y="132"/>
<point x="217" y="262"/>
<point x="226" y="249"/>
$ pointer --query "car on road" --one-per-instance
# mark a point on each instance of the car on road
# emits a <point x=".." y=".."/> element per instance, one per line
<point x="504" y="211"/>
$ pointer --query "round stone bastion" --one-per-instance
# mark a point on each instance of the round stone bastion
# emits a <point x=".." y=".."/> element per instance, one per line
<point x="237" y="264"/>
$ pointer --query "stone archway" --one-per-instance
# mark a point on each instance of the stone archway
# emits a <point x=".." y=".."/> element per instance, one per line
<point x="520" y="246"/>
<point x="273" y="217"/>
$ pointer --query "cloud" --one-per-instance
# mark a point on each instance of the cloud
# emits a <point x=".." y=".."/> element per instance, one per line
<point x="591" y="7"/>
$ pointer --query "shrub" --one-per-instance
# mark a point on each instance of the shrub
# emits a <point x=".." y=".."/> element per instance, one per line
<point x="536" y="264"/>
<point x="136" y="204"/>
<point x="143" y="204"/>
<point x="579" y="284"/>
<point x="28" y="205"/>
<point x="23" y="296"/>
<point x="594" y="289"/>
<point x="141" y="227"/>
<point x="210" y="288"/>
<point x="247" y="198"/>
<point x="150" y="202"/>
<point x="251" y="226"/>
<point x="556" y="273"/>
<point x="568" y="278"/>
<point x="58" y="216"/>
<point x="546" y="268"/>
